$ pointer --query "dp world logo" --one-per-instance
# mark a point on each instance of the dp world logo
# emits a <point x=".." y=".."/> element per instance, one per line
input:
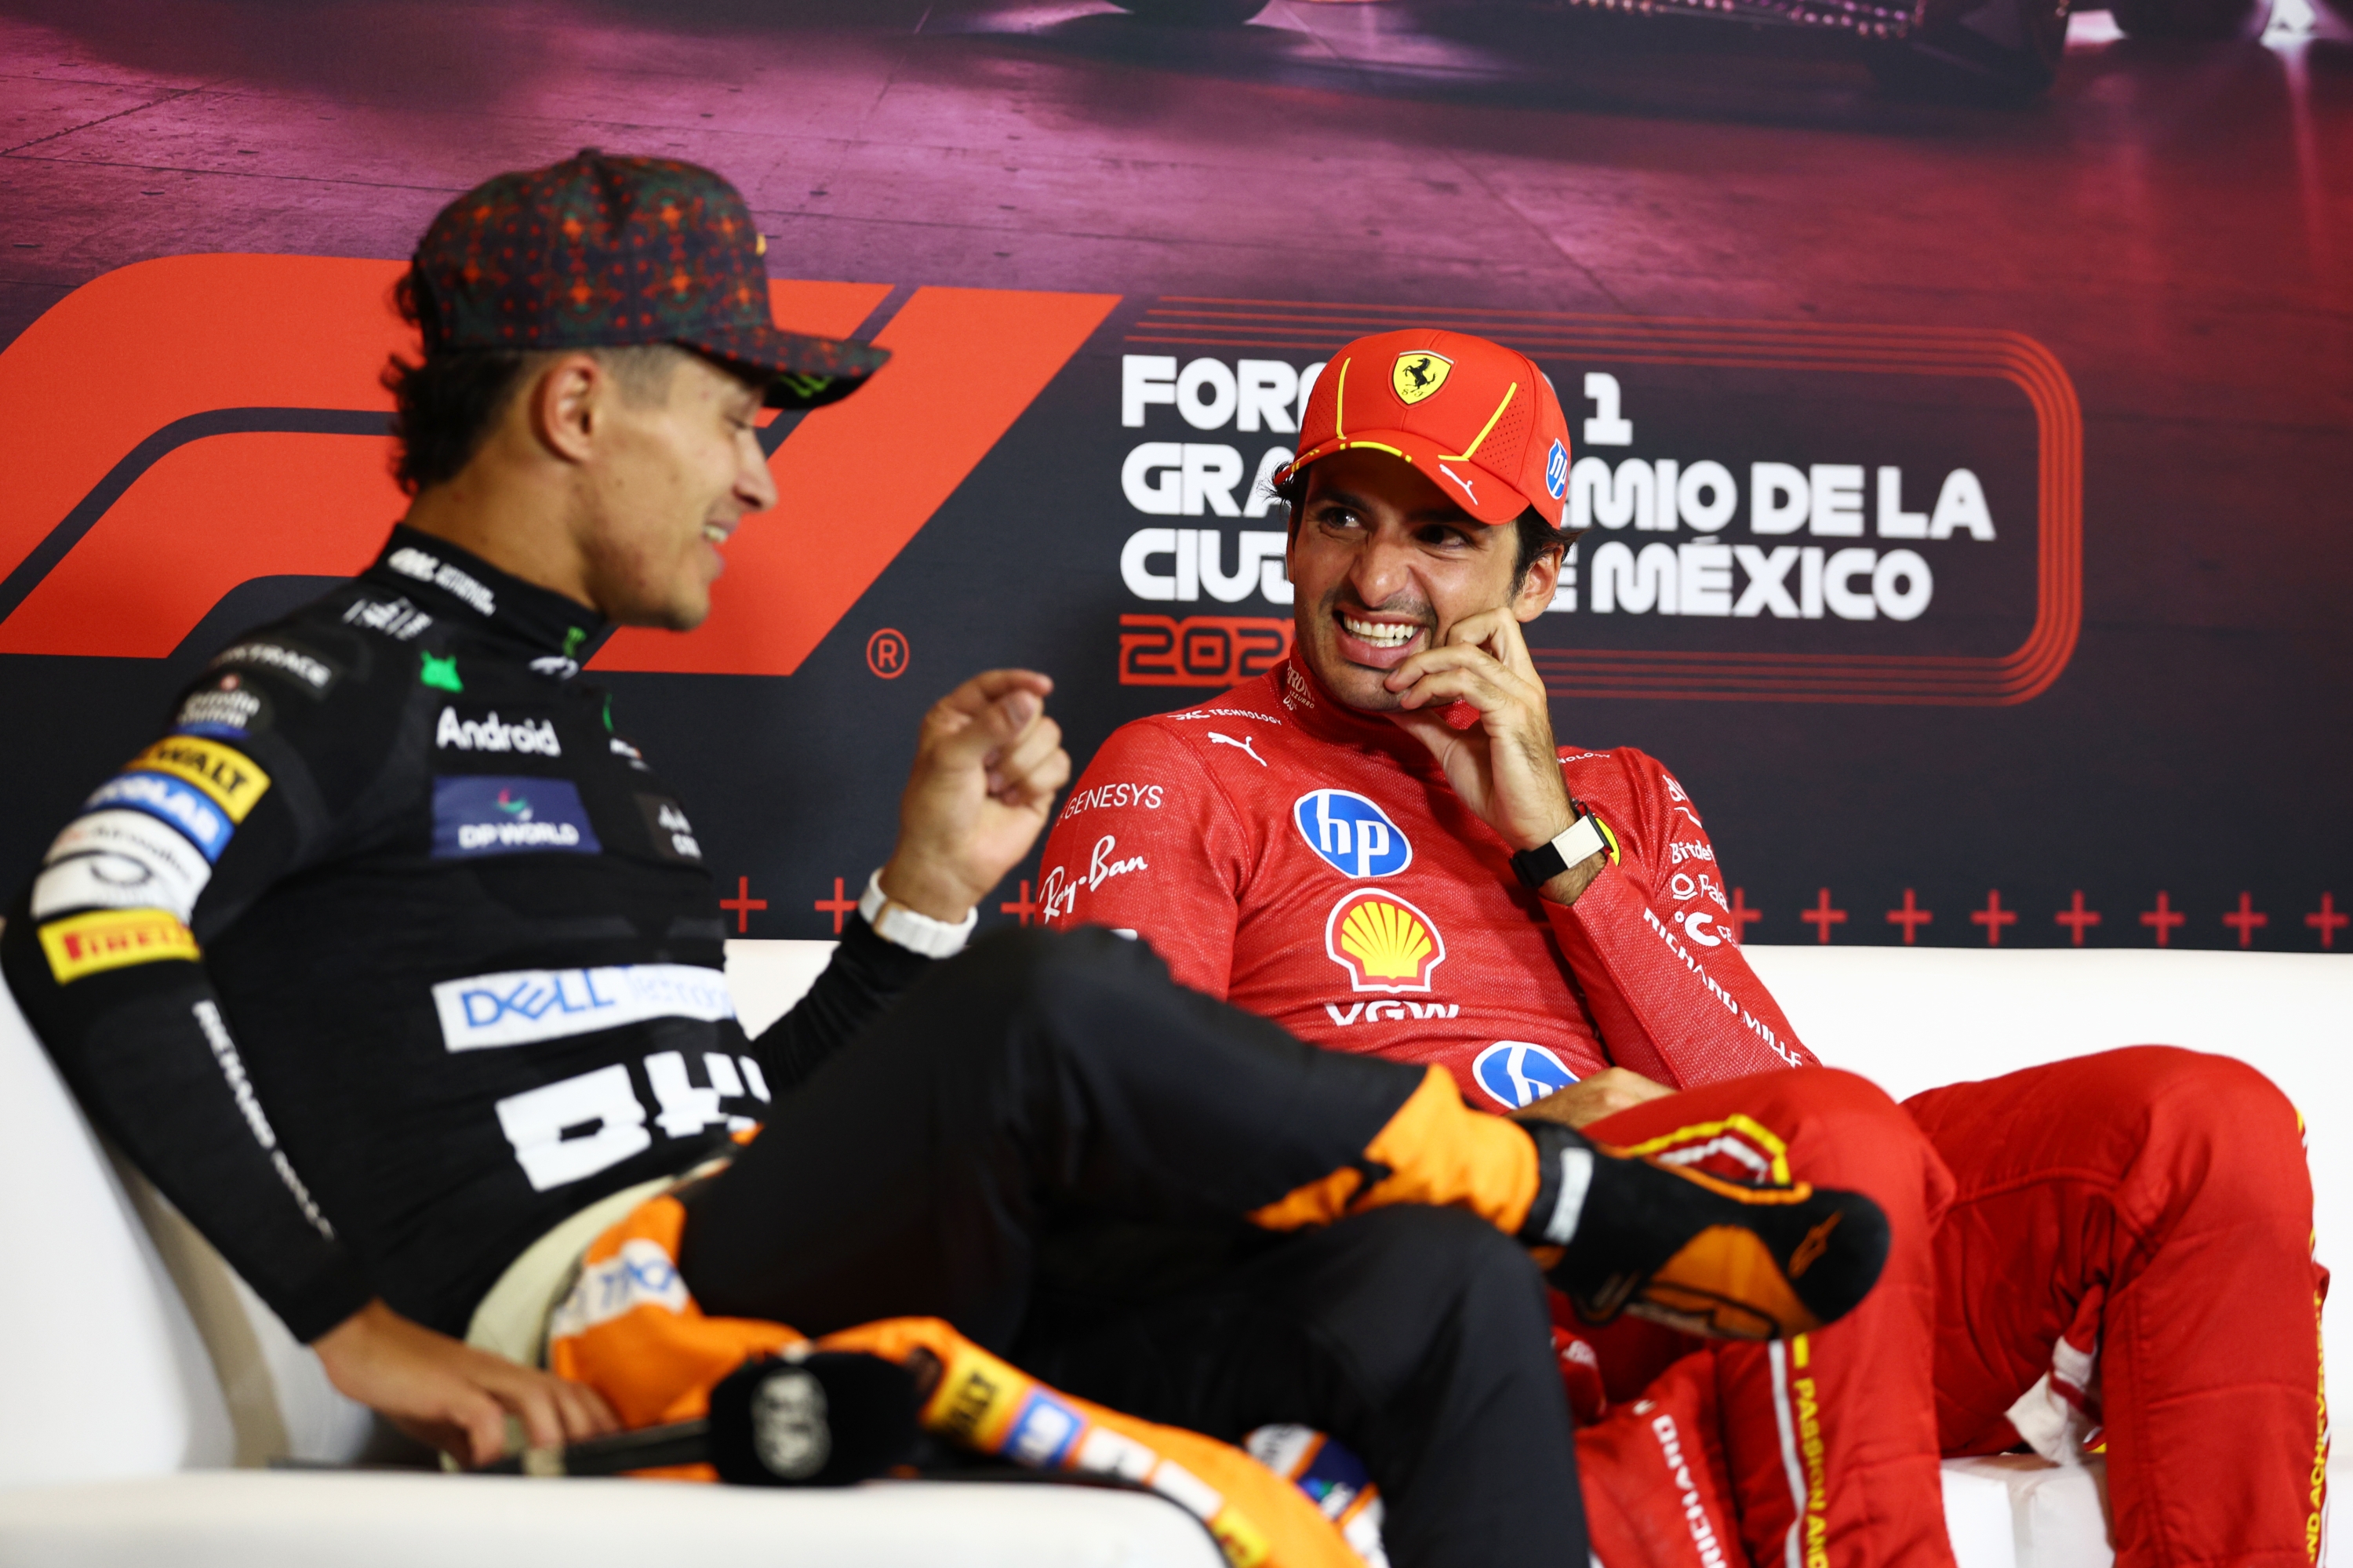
<point x="1516" y="1074"/>
<point x="1354" y="837"/>
<point x="1557" y="472"/>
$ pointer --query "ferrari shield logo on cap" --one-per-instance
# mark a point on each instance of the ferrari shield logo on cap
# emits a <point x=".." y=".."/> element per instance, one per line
<point x="1419" y="374"/>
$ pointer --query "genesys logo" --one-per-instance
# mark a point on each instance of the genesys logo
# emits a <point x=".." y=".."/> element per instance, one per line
<point x="480" y="815"/>
<point x="1112" y="798"/>
<point x="457" y="732"/>
<point x="1383" y="942"/>
<point x="523" y="1007"/>
<point x="1352" y="835"/>
<point x="1515" y="1073"/>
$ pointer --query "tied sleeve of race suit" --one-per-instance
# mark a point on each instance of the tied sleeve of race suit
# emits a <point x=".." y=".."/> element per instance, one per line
<point x="1652" y="945"/>
<point x="1149" y="844"/>
<point x="104" y="954"/>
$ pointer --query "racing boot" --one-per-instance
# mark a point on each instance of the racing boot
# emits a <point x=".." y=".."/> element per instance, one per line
<point x="1696" y="1253"/>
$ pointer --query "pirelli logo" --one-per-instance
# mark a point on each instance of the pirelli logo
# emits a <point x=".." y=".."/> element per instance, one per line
<point x="113" y="939"/>
<point x="231" y="778"/>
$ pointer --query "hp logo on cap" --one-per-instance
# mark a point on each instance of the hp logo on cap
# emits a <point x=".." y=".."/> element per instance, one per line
<point x="1557" y="471"/>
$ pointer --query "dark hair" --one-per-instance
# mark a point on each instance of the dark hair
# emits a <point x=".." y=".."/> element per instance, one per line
<point x="446" y="403"/>
<point x="1535" y="535"/>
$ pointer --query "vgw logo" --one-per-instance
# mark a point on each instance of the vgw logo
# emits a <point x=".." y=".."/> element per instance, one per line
<point x="1354" y="837"/>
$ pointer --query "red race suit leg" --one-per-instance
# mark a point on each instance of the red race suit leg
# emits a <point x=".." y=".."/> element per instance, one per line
<point x="2151" y="1206"/>
<point x="1829" y="1440"/>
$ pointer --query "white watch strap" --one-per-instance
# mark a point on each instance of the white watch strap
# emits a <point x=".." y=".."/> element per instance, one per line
<point x="1581" y="841"/>
<point x="918" y="933"/>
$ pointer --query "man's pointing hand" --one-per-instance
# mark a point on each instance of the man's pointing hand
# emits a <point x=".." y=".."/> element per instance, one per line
<point x="988" y="763"/>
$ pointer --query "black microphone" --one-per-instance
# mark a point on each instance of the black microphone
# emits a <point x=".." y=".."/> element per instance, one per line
<point x="831" y="1419"/>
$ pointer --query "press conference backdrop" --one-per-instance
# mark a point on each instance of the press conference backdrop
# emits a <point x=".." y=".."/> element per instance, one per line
<point x="1935" y="667"/>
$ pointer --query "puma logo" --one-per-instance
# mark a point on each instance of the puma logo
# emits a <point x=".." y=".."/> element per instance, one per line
<point x="1460" y="480"/>
<point x="1242" y="745"/>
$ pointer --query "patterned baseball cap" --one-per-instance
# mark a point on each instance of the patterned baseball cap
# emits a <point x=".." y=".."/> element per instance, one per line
<point x="1478" y="419"/>
<point x="604" y="252"/>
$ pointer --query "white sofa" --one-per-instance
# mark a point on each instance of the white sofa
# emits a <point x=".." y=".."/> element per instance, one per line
<point x="141" y="1385"/>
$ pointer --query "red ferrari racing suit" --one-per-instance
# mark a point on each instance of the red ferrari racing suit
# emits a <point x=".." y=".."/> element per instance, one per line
<point x="1310" y="864"/>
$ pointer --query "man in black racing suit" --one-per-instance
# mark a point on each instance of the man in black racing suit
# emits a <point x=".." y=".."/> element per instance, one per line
<point x="395" y="953"/>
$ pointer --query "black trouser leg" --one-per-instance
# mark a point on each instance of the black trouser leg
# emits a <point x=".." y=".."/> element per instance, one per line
<point x="1037" y="1079"/>
<point x="1418" y="1337"/>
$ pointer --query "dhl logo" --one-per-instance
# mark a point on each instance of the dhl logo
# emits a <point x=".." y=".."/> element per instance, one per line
<point x="138" y="505"/>
<point x="1384" y="942"/>
<point x="228" y="776"/>
<point x="113" y="939"/>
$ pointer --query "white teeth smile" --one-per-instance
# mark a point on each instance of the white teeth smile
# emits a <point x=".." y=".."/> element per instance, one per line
<point x="1380" y="633"/>
<point x="715" y="532"/>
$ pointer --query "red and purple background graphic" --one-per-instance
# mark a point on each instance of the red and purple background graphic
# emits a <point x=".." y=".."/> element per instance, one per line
<point x="1967" y="484"/>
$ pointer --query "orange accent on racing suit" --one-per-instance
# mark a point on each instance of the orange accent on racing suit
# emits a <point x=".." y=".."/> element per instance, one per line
<point x="630" y="1329"/>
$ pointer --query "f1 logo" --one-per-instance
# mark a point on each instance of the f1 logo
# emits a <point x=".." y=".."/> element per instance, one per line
<point x="136" y="508"/>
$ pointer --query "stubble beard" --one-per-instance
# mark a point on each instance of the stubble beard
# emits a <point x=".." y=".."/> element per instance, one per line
<point x="633" y="586"/>
<point x="1357" y="686"/>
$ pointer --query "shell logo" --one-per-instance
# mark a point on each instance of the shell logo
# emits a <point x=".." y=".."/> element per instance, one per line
<point x="1384" y="942"/>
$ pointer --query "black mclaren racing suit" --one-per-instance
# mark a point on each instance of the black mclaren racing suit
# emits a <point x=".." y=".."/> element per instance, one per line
<point x="394" y="952"/>
<point x="456" y="936"/>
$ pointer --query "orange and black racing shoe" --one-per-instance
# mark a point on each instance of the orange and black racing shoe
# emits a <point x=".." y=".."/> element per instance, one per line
<point x="1696" y="1253"/>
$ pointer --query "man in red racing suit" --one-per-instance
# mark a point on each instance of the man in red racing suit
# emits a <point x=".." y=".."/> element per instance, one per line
<point x="2122" y="1238"/>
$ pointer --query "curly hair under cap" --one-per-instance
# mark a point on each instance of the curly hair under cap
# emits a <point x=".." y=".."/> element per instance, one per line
<point x="446" y="404"/>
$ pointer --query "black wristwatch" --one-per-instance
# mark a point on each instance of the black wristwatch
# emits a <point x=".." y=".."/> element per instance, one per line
<point x="1580" y="842"/>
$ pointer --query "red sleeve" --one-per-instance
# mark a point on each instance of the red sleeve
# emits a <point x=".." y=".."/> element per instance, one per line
<point x="1651" y="943"/>
<point x="1148" y="844"/>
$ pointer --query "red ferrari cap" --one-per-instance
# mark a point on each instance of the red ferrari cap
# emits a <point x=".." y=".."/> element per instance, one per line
<point x="1478" y="419"/>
